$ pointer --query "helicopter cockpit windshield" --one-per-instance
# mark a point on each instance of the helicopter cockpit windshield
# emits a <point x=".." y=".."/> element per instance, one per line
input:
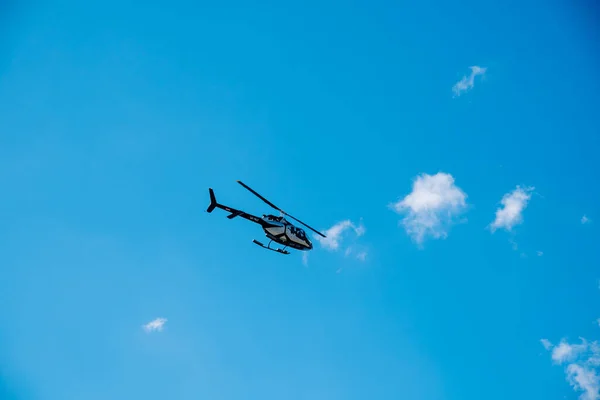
<point x="299" y="232"/>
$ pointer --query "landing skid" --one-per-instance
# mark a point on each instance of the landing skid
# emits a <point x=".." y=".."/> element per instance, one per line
<point x="268" y="247"/>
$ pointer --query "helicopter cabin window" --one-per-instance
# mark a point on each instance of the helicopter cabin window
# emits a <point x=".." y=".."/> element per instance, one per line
<point x="299" y="233"/>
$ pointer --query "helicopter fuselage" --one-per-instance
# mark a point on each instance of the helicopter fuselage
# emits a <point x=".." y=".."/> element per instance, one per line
<point x="280" y="230"/>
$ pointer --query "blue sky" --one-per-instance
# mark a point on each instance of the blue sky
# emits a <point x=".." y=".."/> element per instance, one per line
<point x="460" y="269"/>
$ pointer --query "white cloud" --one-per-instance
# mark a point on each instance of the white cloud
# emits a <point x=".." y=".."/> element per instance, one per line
<point x="513" y="204"/>
<point x="305" y="258"/>
<point x="345" y="231"/>
<point x="336" y="233"/>
<point x="585" y="220"/>
<point x="155" y="325"/>
<point x="584" y="379"/>
<point x="359" y="230"/>
<point x="467" y="82"/>
<point x="432" y="206"/>
<point x="582" y="362"/>
<point x="566" y="352"/>
<point x="361" y="255"/>
<point x="540" y="253"/>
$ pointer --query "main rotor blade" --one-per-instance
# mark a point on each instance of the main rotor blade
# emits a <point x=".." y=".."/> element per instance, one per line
<point x="313" y="229"/>
<point x="260" y="197"/>
<point x="277" y="208"/>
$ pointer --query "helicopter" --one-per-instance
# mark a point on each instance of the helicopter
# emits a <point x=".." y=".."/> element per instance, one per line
<point x="276" y="228"/>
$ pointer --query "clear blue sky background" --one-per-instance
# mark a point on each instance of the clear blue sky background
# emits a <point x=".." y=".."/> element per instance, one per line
<point x="116" y="116"/>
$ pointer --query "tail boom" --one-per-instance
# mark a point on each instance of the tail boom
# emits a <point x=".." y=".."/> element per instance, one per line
<point x="233" y="212"/>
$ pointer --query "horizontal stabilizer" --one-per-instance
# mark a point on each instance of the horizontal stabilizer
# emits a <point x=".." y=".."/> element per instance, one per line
<point x="234" y="214"/>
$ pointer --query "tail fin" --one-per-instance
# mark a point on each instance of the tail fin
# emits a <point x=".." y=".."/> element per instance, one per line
<point x="213" y="201"/>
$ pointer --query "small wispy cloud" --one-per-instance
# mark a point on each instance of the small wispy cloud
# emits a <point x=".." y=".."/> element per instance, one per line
<point x="546" y="343"/>
<point x="335" y="234"/>
<point x="540" y="253"/>
<point x="362" y="255"/>
<point x="305" y="258"/>
<point x="155" y="325"/>
<point x="510" y="213"/>
<point x="582" y="361"/>
<point x="467" y="82"/>
<point x="585" y="220"/>
<point x="359" y="255"/>
<point x="360" y="230"/>
<point x="432" y="207"/>
<point x="345" y="235"/>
